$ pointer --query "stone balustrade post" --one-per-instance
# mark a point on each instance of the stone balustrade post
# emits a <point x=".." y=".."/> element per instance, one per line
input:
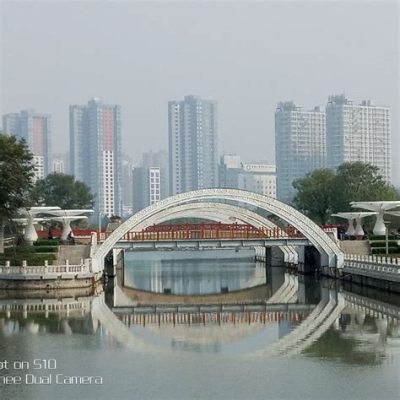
<point x="7" y="264"/>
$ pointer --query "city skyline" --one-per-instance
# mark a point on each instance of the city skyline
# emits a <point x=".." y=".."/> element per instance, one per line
<point x="243" y="60"/>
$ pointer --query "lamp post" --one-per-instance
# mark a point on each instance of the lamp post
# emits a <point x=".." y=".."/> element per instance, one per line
<point x="100" y="214"/>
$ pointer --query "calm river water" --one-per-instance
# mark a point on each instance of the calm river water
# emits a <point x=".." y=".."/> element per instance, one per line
<point x="323" y="342"/>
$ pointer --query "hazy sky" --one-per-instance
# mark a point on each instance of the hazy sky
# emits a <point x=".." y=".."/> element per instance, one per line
<point x="246" y="55"/>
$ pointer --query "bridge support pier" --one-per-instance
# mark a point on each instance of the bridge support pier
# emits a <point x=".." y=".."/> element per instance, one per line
<point x="113" y="261"/>
<point x="308" y="292"/>
<point x="311" y="260"/>
<point x="275" y="256"/>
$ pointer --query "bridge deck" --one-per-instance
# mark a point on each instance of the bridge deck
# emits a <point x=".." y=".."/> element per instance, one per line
<point x="210" y="308"/>
<point x="195" y="244"/>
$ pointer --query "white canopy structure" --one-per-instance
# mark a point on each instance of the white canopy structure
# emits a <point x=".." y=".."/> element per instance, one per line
<point x="30" y="214"/>
<point x="380" y="207"/>
<point x="66" y="217"/>
<point x="351" y="217"/>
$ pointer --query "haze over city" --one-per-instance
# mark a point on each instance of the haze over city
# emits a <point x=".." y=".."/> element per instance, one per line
<point x="247" y="56"/>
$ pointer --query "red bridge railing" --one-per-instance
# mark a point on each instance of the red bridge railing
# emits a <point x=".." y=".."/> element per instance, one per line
<point x="208" y="231"/>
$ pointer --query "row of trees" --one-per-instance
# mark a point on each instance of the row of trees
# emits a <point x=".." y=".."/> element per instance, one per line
<point x="324" y="192"/>
<point x="18" y="189"/>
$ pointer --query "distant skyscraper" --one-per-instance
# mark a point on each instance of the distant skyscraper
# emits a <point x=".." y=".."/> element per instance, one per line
<point x="95" y="152"/>
<point x="358" y="133"/>
<point x="58" y="166"/>
<point x="255" y="177"/>
<point x="36" y="130"/>
<point x="150" y="181"/>
<point x="193" y="145"/>
<point x="60" y="163"/>
<point x="127" y="182"/>
<point x="299" y="145"/>
<point x="229" y="169"/>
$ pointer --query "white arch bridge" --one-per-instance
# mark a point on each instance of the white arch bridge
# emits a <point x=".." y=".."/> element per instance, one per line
<point x="223" y="205"/>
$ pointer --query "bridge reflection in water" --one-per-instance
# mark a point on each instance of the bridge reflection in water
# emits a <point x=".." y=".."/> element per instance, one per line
<point x="370" y="325"/>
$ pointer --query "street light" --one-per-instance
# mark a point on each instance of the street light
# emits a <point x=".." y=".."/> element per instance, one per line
<point x="100" y="215"/>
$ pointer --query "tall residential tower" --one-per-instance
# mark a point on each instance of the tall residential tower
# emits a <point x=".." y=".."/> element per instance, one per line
<point x="95" y="152"/>
<point x="150" y="180"/>
<point x="36" y="130"/>
<point x="358" y="133"/>
<point x="299" y="145"/>
<point x="193" y="148"/>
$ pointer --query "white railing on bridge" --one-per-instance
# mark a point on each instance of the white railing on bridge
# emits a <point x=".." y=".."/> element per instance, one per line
<point x="372" y="259"/>
<point x="72" y="269"/>
<point x="373" y="263"/>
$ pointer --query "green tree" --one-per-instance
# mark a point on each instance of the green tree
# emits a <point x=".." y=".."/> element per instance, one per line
<point x="322" y="192"/>
<point x="16" y="179"/>
<point x="357" y="181"/>
<point x="314" y="195"/>
<point x="63" y="191"/>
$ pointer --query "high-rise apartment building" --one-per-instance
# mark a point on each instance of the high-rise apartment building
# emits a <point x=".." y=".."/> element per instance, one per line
<point x="299" y="145"/>
<point x="358" y="133"/>
<point x="193" y="146"/>
<point x="95" y="152"/>
<point x="36" y="130"/>
<point x="150" y="181"/>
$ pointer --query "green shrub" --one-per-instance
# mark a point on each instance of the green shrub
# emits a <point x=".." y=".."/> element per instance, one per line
<point x="391" y="243"/>
<point x="382" y="250"/>
<point x="46" y="249"/>
<point x="380" y="237"/>
<point x="47" y="242"/>
<point x="33" y="259"/>
<point x="21" y="249"/>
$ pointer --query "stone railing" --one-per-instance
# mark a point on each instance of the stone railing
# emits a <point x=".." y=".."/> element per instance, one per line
<point x="375" y="264"/>
<point x="372" y="259"/>
<point x="72" y="269"/>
